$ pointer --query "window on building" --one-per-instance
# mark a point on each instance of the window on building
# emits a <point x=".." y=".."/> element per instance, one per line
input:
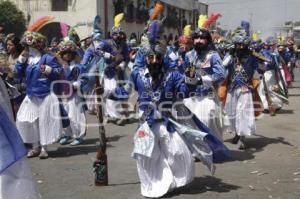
<point x="59" y="5"/>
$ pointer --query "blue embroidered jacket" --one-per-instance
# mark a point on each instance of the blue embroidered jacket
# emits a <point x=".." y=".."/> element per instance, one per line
<point x="209" y="67"/>
<point x="37" y="84"/>
<point x="241" y="73"/>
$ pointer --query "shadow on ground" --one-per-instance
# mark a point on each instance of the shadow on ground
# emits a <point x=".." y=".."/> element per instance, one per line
<point x="202" y="185"/>
<point x="285" y="111"/>
<point x="68" y="151"/>
<point x="255" y="145"/>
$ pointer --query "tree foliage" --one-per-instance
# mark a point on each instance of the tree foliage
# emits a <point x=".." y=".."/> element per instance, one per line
<point x="12" y="18"/>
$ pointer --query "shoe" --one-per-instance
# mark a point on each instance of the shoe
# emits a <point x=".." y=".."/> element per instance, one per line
<point x="235" y="139"/>
<point x="76" y="141"/>
<point x="33" y="153"/>
<point x="242" y="144"/>
<point x="121" y="122"/>
<point x="43" y="155"/>
<point x="65" y="140"/>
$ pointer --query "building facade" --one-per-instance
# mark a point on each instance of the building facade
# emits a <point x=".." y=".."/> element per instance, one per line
<point x="74" y="12"/>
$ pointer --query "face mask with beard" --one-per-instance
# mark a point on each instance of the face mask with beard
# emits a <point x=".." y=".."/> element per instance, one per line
<point x="242" y="52"/>
<point x="155" y="70"/>
<point x="199" y="47"/>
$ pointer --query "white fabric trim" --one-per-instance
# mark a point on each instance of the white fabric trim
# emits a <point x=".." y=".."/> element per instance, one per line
<point x="22" y="59"/>
<point x="48" y="70"/>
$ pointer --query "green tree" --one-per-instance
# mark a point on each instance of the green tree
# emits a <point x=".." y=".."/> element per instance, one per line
<point x="12" y="18"/>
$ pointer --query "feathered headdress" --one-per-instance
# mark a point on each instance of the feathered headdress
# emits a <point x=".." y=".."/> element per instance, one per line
<point x="240" y="36"/>
<point x="154" y="43"/>
<point x="38" y="24"/>
<point x="156" y="11"/>
<point x="32" y="39"/>
<point x="67" y="46"/>
<point x="117" y="23"/>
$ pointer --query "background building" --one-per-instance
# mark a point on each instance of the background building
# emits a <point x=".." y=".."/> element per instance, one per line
<point x="82" y="13"/>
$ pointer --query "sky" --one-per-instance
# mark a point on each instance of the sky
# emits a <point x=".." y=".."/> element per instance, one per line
<point x="264" y="14"/>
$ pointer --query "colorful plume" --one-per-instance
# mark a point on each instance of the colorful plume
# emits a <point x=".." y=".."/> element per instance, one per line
<point x="201" y="21"/>
<point x="38" y="24"/>
<point x="158" y="9"/>
<point x="64" y="29"/>
<point x="187" y="31"/>
<point x="214" y="17"/>
<point x="118" y="19"/>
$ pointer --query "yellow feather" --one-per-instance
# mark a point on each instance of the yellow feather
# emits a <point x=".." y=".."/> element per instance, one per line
<point x="202" y="20"/>
<point x="254" y="36"/>
<point x="187" y="31"/>
<point x="118" y="20"/>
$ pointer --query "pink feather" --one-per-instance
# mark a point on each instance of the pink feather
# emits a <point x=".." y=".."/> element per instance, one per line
<point x="64" y="29"/>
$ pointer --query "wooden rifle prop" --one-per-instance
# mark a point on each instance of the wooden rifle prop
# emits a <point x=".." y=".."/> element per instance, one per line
<point x="100" y="164"/>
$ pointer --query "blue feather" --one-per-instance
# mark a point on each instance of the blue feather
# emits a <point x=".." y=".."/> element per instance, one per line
<point x="97" y="23"/>
<point x="155" y="29"/>
<point x="246" y="26"/>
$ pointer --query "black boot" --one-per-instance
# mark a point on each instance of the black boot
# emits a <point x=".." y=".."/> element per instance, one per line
<point x="235" y="139"/>
<point x="242" y="144"/>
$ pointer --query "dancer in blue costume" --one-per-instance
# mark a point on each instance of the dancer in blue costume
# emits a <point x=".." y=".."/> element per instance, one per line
<point x="75" y="75"/>
<point x="92" y="60"/>
<point x="115" y="52"/>
<point x="208" y="64"/>
<point x="239" y="102"/>
<point x="271" y="75"/>
<point x="163" y="146"/>
<point x="39" y="117"/>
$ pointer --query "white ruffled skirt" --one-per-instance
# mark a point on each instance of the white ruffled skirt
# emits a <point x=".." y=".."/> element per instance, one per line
<point x="270" y="81"/>
<point x="239" y="107"/>
<point x="209" y="111"/>
<point x="112" y="108"/>
<point x="76" y="114"/>
<point x="170" y="166"/>
<point x="39" y="120"/>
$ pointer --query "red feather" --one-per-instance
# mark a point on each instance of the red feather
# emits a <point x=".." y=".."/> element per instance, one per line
<point x="38" y="24"/>
<point x="214" y="17"/>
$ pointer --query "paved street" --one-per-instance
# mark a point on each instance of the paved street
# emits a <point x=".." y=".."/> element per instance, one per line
<point x="269" y="169"/>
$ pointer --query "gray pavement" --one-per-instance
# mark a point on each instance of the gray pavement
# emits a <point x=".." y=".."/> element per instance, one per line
<point x="269" y="169"/>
